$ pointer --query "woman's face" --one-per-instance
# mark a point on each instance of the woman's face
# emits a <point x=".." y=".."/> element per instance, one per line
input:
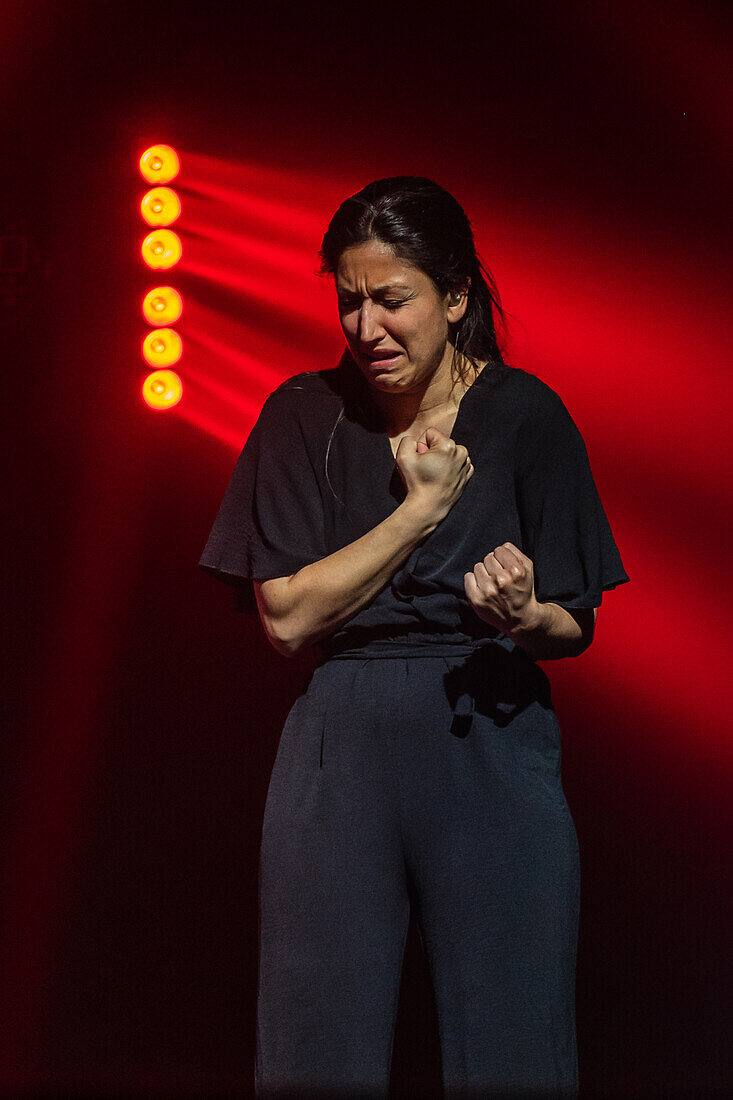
<point x="395" y="321"/>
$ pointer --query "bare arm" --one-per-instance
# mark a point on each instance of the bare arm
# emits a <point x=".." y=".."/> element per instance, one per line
<point x="557" y="632"/>
<point x="299" y="610"/>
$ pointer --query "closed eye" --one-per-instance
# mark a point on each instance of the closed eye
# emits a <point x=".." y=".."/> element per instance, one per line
<point x="388" y="303"/>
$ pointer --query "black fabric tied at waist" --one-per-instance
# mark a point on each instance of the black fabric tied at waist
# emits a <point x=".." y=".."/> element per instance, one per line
<point x="460" y="681"/>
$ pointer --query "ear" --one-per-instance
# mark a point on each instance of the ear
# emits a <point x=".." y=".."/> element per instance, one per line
<point x="456" y="303"/>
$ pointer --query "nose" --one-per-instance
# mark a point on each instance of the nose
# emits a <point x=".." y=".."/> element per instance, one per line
<point x="370" y="326"/>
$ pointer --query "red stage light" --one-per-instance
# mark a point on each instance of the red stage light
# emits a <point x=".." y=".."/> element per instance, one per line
<point x="160" y="206"/>
<point x="162" y="347"/>
<point x="162" y="390"/>
<point x="162" y="306"/>
<point x="162" y="249"/>
<point x="160" y="164"/>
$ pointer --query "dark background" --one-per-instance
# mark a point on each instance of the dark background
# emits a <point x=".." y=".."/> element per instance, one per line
<point x="592" y="146"/>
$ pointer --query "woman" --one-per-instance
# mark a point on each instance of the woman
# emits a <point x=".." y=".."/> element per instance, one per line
<point x="426" y="516"/>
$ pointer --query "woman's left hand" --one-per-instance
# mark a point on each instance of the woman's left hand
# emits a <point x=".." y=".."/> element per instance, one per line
<point x="501" y="590"/>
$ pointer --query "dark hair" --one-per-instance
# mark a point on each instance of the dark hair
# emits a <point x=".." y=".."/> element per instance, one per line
<point x="426" y="226"/>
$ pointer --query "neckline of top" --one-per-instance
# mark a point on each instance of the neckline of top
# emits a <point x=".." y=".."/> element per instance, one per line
<point x="388" y="438"/>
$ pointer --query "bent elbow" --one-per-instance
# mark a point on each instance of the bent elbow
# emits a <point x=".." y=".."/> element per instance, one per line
<point x="283" y="643"/>
<point x="587" y="625"/>
<point x="290" y="649"/>
<point x="286" y="641"/>
<point x="276" y="615"/>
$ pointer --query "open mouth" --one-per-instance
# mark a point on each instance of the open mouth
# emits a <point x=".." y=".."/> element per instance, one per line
<point x="383" y="362"/>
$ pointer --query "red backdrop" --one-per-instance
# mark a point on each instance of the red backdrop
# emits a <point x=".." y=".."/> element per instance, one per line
<point x="590" y="146"/>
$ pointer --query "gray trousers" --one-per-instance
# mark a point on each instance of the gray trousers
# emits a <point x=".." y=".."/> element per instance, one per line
<point x="432" y="774"/>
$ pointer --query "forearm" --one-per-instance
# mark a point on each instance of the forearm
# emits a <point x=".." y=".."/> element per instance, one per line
<point x="322" y="596"/>
<point x="555" y="632"/>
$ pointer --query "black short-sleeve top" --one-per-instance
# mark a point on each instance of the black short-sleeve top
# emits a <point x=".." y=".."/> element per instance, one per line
<point x="317" y="473"/>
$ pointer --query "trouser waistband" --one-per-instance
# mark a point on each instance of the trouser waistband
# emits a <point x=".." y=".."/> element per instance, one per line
<point x="388" y="647"/>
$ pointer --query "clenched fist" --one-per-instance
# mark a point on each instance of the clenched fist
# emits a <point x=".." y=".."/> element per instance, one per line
<point x="501" y="590"/>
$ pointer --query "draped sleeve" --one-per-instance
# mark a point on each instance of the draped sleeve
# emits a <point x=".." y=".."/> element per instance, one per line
<point x="271" y="521"/>
<point x="565" y="529"/>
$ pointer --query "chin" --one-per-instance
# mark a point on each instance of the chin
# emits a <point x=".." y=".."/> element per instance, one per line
<point x="383" y="378"/>
<point x="386" y="383"/>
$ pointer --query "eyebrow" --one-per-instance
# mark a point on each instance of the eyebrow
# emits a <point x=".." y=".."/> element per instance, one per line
<point x="378" y="289"/>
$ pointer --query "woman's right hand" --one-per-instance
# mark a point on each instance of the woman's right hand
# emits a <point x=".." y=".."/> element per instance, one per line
<point x="435" y="470"/>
